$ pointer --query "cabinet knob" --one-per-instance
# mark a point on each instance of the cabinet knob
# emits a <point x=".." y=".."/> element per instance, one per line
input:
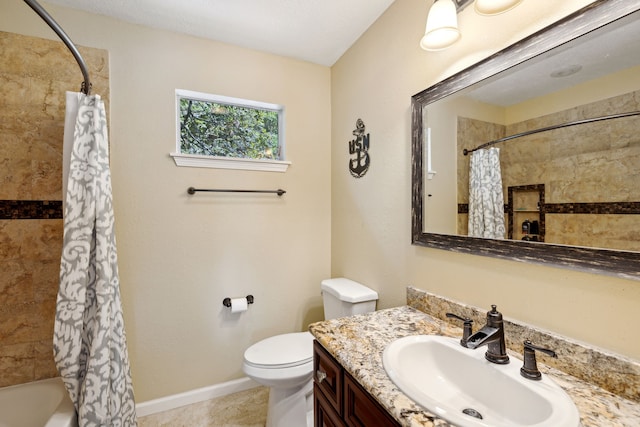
<point x="320" y="376"/>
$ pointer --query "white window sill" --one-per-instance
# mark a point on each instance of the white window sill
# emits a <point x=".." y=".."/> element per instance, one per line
<point x="195" y="161"/>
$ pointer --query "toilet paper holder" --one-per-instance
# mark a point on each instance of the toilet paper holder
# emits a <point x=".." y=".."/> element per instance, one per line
<point x="227" y="301"/>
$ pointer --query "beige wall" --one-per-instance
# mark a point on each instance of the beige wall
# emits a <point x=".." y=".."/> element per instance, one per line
<point x="371" y="224"/>
<point x="180" y="255"/>
<point x="446" y="187"/>
<point x="611" y="85"/>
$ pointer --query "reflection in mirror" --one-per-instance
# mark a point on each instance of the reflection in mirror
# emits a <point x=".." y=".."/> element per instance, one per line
<point x="566" y="183"/>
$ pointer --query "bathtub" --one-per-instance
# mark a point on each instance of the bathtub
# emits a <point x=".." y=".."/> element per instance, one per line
<point x="42" y="403"/>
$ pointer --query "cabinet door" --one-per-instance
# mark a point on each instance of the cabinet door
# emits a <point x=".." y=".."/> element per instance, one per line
<point x="327" y="376"/>
<point x="323" y="412"/>
<point x="361" y="410"/>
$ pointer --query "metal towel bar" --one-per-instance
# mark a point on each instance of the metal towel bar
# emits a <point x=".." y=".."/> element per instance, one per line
<point x="192" y="190"/>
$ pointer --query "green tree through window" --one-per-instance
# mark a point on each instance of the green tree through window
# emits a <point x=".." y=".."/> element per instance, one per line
<point x="213" y="128"/>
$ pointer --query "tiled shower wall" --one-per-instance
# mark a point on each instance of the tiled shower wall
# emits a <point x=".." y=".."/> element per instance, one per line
<point x="34" y="76"/>
<point x="590" y="172"/>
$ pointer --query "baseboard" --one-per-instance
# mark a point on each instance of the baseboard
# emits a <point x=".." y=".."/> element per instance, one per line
<point x="194" y="396"/>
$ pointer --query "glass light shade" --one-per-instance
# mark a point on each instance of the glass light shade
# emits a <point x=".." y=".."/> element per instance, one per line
<point x="494" y="7"/>
<point x="442" y="26"/>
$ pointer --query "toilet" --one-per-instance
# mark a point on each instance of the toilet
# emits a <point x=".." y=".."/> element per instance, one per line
<point x="285" y="362"/>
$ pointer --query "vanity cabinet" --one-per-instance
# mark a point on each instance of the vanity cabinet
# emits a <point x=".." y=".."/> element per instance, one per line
<point x="339" y="400"/>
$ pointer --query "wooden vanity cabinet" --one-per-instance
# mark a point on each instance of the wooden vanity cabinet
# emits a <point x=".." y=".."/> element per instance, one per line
<point x="327" y="388"/>
<point x="339" y="400"/>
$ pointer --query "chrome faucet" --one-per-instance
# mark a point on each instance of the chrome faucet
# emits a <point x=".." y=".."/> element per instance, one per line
<point x="491" y="334"/>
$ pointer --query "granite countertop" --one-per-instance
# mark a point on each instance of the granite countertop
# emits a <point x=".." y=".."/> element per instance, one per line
<point x="357" y="342"/>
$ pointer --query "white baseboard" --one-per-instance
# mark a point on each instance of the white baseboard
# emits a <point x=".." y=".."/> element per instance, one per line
<point x="194" y="396"/>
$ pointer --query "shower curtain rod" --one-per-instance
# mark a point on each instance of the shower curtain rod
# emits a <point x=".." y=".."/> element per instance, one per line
<point x="548" y="128"/>
<point x="86" y="84"/>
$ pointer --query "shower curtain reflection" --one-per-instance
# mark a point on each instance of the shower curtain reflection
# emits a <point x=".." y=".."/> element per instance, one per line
<point x="486" y="198"/>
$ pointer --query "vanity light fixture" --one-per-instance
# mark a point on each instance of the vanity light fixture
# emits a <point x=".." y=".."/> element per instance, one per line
<point x="442" y="21"/>
<point x="442" y="26"/>
<point x="495" y="7"/>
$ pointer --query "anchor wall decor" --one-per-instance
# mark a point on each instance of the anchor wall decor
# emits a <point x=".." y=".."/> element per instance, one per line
<point x="359" y="151"/>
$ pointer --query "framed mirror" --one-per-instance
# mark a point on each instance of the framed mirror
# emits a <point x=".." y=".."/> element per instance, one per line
<point x="569" y="91"/>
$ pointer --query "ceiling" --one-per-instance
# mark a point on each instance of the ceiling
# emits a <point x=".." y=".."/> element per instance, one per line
<point x="592" y="56"/>
<point x="318" y="31"/>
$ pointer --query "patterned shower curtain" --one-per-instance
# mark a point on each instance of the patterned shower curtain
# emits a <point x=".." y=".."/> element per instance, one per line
<point x="89" y="340"/>
<point x="486" y="199"/>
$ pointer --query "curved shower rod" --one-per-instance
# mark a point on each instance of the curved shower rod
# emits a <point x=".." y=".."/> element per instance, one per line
<point x="545" y="129"/>
<point x="86" y="85"/>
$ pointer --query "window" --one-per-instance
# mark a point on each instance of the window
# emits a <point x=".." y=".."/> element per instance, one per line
<point x="222" y="132"/>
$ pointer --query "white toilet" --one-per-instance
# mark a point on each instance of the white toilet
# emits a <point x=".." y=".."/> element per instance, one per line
<point x="285" y="362"/>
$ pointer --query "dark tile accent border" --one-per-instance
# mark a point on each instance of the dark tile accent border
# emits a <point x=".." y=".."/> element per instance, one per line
<point x="598" y="208"/>
<point x="30" y="209"/>
<point x="604" y="208"/>
<point x="463" y="208"/>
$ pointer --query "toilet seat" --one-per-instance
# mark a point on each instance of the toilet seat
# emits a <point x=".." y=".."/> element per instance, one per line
<point x="281" y="351"/>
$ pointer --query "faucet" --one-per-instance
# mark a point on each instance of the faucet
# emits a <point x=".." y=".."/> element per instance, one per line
<point x="491" y="334"/>
<point x="530" y="368"/>
<point x="466" y="333"/>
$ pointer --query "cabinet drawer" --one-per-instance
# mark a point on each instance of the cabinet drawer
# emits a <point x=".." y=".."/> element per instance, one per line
<point x="361" y="410"/>
<point x="327" y="376"/>
<point x="323" y="412"/>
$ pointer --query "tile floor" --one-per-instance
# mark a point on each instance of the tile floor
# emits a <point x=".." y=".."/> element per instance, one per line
<point x="243" y="409"/>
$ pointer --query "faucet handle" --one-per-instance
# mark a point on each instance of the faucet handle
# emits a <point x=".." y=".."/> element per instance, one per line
<point x="467" y="328"/>
<point x="530" y="368"/>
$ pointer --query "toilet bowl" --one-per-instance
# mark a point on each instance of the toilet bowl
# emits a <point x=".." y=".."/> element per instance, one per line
<point x="285" y="362"/>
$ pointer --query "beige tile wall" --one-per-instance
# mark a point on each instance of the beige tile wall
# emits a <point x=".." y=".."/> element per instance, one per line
<point x="34" y="76"/>
<point x="590" y="163"/>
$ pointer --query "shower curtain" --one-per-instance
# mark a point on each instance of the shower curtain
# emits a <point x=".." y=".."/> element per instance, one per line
<point x="486" y="199"/>
<point x="89" y="339"/>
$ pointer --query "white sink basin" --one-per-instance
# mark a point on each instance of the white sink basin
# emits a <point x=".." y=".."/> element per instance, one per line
<point x="447" y="379"/>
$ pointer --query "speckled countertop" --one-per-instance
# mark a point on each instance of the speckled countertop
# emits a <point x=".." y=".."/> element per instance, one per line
<point x="358" y="342"/>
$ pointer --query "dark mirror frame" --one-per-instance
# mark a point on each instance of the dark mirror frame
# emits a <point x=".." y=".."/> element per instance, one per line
<point x="623" y="264"/>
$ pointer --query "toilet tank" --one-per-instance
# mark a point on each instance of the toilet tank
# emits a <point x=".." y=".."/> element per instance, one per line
<point x="344" y="297"/>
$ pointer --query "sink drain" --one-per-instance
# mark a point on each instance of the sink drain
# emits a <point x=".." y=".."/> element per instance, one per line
<point x="472" y="413"/>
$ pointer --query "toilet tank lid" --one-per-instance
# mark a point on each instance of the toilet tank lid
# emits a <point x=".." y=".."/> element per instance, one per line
<point x="347" y="290"/>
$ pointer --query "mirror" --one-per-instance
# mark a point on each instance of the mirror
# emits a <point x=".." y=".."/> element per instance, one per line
<point x="446" y="120"/>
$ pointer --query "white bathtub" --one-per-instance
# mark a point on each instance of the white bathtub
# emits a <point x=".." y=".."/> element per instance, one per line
<point x="38" y="404"/>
